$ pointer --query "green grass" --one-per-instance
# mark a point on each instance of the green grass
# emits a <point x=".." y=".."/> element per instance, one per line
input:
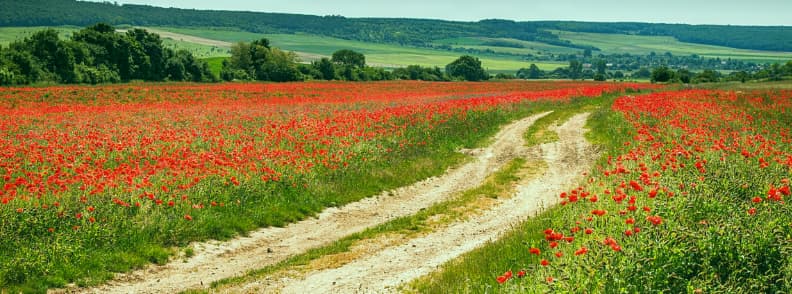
<point x="497" y="184"/>
<point x="706" y="242"/>
<point x="215" y="64"/>
<point x="634" y="44"/>
<point x="97" y="250"/>
<point x="475" y="272"/>
<point x="539" y="132"/>
<point x="750" y="85"/>
<point x="494" y="186"/>
<point x="529" y="47"/>
<point x="197" y="50"/>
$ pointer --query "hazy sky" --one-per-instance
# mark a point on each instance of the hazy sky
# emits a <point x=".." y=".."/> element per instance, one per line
<point x="756" y="12"/>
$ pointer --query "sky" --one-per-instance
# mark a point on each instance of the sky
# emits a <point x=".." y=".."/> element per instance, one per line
<point x="725" y="12"/>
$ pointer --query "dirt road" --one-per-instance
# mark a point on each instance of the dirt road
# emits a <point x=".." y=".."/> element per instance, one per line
<point x="386" y="269"/>
<point x="217" y="260"/>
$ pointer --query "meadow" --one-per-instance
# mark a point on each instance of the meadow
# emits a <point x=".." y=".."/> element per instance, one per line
<point x="689" y="196"/>
<point x="104" y="179"/>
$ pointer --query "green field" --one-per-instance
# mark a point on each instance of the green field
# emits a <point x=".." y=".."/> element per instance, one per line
<point x="11" y="34"/>
<point x="481" y="43"/>
<point x="617" y="43"/>
<point x="386" y="55"/>
<point x="215" y="64"/>
<point x="197" y="50"/>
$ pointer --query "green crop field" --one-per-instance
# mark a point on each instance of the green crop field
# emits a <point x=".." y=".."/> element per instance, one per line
<point x="215" y="64"/>
<point x="197" y="50"/>
<point x="617" y="43"/>
<point x="528" y="47"/>
<point x="386" y="55"/>
<point x="11" y="34"/>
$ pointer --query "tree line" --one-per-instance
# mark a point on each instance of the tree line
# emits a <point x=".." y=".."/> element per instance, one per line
<point x="600" y="71"/>
<point x="97" y="54"/>
<point x="100" y="54"/>
<point x="258" y="60"/>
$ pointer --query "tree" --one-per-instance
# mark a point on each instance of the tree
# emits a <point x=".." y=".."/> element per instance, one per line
<point x="587" y="53"/>
<point x="259" y="61"/>
<point x="601" y="66"/>
<point x="683" y="76"/>
<point x="575" y="69"/>
<point x="532" y="72"/>
<point x="240" y="58"/>
<point x="346" y="57"/>
<point x="281" y="66"/>
<point x="642" y="73"/>
<point x="661" y="75"/>
<point x="325" y="68"/>
<point x="468" y="68"/>
<point x="707" y="76"/>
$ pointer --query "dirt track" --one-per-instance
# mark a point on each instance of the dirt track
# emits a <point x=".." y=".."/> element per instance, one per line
<point x="217" y="260"/>
<point x="386" y="269"/>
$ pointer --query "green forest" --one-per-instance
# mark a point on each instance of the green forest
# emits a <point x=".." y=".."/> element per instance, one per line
<point x="413" y="32"/>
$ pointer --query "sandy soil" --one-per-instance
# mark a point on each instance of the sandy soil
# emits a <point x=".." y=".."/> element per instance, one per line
<point x="218" y="260"/>
<point x="385" y="270"/>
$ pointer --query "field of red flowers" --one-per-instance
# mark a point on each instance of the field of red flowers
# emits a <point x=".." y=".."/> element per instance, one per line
<point x="97" y="180"/>
<point x="690" y="196"/>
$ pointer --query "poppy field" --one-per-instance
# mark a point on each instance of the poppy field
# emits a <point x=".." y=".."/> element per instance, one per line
<point x="690" y="196"/>
<point x="105" y="179"/>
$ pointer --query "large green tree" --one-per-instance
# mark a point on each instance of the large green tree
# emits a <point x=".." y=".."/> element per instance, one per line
<point x="661" y="75"/>
<point x="350" y="58"/>
<point x="575" y="69"/>
<point x="257" y="60"/>
<point x="531" y="73"/>
<point x="468" y="68"/>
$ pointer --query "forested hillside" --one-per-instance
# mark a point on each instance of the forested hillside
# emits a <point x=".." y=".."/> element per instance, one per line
<point x="416" y="32"/>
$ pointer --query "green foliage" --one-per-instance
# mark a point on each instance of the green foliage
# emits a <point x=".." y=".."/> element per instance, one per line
<point x="575" y="69"/>
<point x="325" y="68"/>
<point x="97" y="54"/>
<point x="707" y="76"/>
<point x="257" y="60"/>
<point x="349" y="58"/>
<point x="417" y="72"/>
<point x="710" y="239"/>
<point x="531" y="73"/>
<point x="661" y="75"/>
<point x="467" y="68"/>
<point x="642" y="73"/>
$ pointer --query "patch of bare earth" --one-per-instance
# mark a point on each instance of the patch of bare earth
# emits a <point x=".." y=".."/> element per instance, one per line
<point x="385" y="270"/>
<point x="218" y="260"/>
